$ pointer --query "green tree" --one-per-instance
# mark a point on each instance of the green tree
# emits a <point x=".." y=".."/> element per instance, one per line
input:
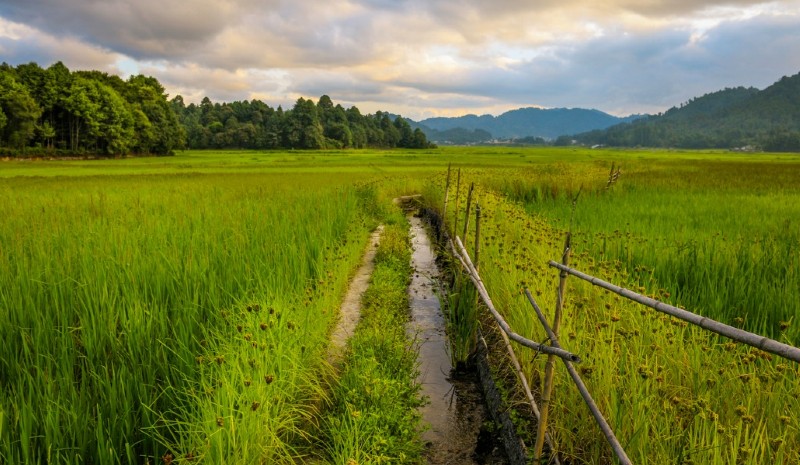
<point x="47" y="133"/>
<point x="165" y="134"/>
<point x="303" y="129"/>
<point x="20" y="110"/>
<point x="114" y="133"/>
<point x="82" y="109"/>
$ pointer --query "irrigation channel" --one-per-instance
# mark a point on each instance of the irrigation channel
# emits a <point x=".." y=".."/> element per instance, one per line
<point x="455" y="412"/>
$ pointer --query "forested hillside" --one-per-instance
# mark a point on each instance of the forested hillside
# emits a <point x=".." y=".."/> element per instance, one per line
<point x="58" y="112"/>
<point x="731" y="118"/>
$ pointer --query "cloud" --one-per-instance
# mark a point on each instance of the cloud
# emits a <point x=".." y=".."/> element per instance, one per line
<point x="420" y="56"/>
<point x="142" y="29"/>
<point x="22" y="44"/>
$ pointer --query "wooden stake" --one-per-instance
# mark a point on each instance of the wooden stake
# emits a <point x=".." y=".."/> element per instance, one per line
<point x="466" y="214"/>
<point x="460" y="252"/>
<point x="477" y="235"/>
<point x="549" y="366"/>
<point x="573" y="373"/>
<point x="458" y="189"/>
<point x="444" y="209"/>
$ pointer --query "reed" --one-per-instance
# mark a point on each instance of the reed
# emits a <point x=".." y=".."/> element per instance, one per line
<point x="181" y="315"/>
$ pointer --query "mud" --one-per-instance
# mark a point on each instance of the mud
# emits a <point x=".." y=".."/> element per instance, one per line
<point x="456" y="410"/>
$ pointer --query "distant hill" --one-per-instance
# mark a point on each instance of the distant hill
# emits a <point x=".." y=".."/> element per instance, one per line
<point x="741" y="117"/>
<point x="521" y="123"/>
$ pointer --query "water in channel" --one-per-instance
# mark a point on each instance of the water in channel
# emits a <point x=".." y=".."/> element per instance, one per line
<point x="456" y="411"/>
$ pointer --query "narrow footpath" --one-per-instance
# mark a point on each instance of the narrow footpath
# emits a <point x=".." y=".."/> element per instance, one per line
<point x="350" y="311"/>
<point x="455" y="414"/>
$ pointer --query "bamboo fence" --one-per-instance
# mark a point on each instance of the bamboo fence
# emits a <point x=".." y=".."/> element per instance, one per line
<point x="553" y="350"/>
<point x="739" y="335"/>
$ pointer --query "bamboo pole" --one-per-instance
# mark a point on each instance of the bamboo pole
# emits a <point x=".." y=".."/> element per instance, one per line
<point x="476" y="279"/>
<point x="766" y="344"/>
<point x="466" y="214"/>
<point x="598" y="416"/>
<point x="444" y="209"/>
<point x="549" y="366"/>
<point x="610" y="176"/>
<point x="477" y="235"/>
<point x="511" y="354"/>
<point x="458" y="190"/>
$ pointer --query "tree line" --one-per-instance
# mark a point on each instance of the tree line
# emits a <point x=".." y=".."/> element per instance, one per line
<point x="62" y="112"/>
<point x="308" y="125"/>
<point x="57" y="112"/>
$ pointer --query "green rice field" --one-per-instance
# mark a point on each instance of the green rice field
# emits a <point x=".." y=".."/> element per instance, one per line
<point x="178" y="309"/>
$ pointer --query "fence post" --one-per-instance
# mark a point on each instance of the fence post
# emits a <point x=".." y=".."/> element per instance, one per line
<point x="573" y="373"/>
<point x="466" y="214"/>
<point x="548" y="370"/>
<point x="458" y="188"/>
<point x="477" y="235"/>
<point x="444" y="209"/>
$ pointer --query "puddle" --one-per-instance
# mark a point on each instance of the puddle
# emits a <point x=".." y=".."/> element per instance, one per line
<point x="456" y="411"/>
<point x="350" y="311"/>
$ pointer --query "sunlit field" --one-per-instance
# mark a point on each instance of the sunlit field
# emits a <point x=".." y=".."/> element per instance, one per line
<point x="717" y="236"/>
<point x="182" y="305"/>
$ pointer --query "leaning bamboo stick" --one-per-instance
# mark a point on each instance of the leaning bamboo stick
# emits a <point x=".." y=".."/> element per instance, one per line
<point x="766" y="344"/>
<point x="549" y="366"/>
<point x="598" y="416"/>
<point x="514" y="361"/>
<point x="476" y="279"/>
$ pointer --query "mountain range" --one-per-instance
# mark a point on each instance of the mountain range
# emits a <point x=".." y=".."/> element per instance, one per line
<point x="740" y="117"/>
<point x="517" y="124"/>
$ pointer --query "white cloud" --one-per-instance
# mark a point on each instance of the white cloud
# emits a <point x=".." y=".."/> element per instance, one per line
<point x="420" y="57"/>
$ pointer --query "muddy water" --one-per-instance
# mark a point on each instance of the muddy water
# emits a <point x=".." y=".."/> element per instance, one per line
<point x="456" y="410"/>
<point x="350" y="311"/>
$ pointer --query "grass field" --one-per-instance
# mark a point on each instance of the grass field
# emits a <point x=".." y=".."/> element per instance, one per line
<point x="714" y="233"/>
<point x="181" y="305"/>
<point x="145" y="315"/>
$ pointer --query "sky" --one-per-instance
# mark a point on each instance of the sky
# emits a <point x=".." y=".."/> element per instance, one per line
<point x="419" y="58"/>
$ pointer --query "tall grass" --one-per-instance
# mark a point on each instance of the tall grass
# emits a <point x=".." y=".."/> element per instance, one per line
<point x="125" y="332"/>
<point x="672" y="393"/>
<point x="374" y="416"/>
<point x="720" y="236"/>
